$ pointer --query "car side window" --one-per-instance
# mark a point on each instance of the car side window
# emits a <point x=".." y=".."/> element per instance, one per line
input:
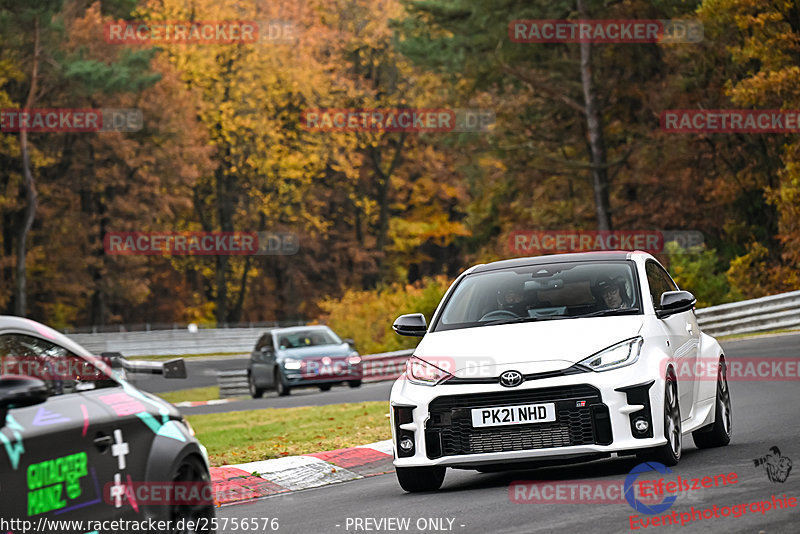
<point x="269" y="345"/>
<point x="62" y="371"/>
<point x="659" y="282"/>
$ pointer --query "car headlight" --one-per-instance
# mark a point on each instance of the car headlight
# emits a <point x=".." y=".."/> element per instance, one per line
<point x="292" y="364"/>
<point x="354" y="358"/>
<point x="615" y="356"/>
<point x="418" y="371"/>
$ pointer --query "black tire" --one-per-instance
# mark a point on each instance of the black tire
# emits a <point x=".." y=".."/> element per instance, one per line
<point x="354" y="383"/>
<point x="192" y="470"/>
<point x="718" y="434"/>
<point x="325" y="387"/>
<point x="281" y="385"/>
<point x="670" y="453"/>
<point x="255" y="391"/>
<point x="416" y="479"/>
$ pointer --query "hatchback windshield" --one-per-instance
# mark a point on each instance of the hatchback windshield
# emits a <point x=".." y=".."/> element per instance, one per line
<point x="542" y="292"/>
<point x="307" y="338"/>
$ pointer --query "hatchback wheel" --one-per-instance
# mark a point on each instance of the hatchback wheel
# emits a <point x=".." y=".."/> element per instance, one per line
<point x="718" y="434"/>
<point x="255" y="391"/>
<point x="415" y="479"/>
<point x="281" y="385"/>
<point x="670" y="452"/>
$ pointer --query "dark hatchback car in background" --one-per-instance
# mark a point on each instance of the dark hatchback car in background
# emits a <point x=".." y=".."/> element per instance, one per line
<point x="302" y="356"/>
<point x="79" y="442"/>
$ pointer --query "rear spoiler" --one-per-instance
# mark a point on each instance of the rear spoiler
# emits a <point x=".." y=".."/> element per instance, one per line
<point x="175" y="368"/>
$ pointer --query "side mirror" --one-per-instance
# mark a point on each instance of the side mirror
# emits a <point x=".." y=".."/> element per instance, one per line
<point x="19" y="391"/>
<point x="673" y="302"/>
<point x="412" y="324"/>
<point x="350" y="342"/>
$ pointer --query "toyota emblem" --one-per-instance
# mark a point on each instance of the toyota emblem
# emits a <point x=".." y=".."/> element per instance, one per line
<point x="511" y="379"/>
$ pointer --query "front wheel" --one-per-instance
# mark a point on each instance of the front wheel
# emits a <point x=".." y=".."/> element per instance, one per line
<point x="670" y="453"/>
<point x="255" y="391"/>
<point x="416" y="479"/>
<point x="192" y="472"/>
<point x="281" y="384"/>
<point x="325" y="387"/>
<point x="718" y="434"/>
<point x="354" y="383"/>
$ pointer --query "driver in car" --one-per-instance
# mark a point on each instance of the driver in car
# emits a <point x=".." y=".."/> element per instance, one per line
<point x="512" y="299"/>
<point x="612" y="293"/>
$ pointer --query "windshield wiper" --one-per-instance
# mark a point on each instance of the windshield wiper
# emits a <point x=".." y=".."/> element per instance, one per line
<point x="612" y="311"/>
<point x="523" y="320"/>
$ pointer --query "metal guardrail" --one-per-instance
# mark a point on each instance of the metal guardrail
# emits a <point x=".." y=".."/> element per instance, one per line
<point x="171" y="342"/>
<point x="155" y="327"/>
<point x="755" y="315"/>
<point x="775" y="312"/>
<point x="233" y="383"/>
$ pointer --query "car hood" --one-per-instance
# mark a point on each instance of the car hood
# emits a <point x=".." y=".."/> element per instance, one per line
<point x="525" y="347"/>
<point x="318" y="351"/>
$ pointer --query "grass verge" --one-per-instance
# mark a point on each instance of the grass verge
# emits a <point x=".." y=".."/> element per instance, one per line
<point x="192" y="394"/>
<point x="239" y="437"/>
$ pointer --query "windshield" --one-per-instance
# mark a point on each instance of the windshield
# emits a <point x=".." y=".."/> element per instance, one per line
<point x="307" y="338"/>
<point x="542" y="292"/>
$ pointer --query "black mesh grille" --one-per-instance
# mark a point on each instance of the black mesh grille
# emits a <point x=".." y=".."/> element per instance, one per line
<point x="449" y="430"/>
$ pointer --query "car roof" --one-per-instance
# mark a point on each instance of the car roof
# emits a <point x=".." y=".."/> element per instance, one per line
<point x="291" y="329"/>
<point x="606" y="255"/>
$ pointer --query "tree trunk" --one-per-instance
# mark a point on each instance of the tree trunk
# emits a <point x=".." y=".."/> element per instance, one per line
<point x="29" y="186"/>
<point x="383" y="190"/>
<point x="594" y="126"/>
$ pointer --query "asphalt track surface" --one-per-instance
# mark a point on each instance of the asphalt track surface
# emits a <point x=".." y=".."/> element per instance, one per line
<point x="765" y="414"/>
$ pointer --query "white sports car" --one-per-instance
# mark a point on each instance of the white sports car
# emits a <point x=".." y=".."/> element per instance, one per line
<point x="555" y="359"/>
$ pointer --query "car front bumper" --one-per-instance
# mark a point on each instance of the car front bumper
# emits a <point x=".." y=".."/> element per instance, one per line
<point x="595" y="415"/>
<point x="299" y="378"/>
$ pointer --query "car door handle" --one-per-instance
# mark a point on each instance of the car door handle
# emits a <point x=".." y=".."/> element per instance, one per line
<point x="103" y="442"/>
<point x="689" y="328"/>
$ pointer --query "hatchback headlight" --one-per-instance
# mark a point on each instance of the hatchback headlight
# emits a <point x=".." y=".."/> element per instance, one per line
<point x="418" y="371"/>
<point x="354" y="358"/>
<point x="615" y="356"/>
<point x="292" y="364"/>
